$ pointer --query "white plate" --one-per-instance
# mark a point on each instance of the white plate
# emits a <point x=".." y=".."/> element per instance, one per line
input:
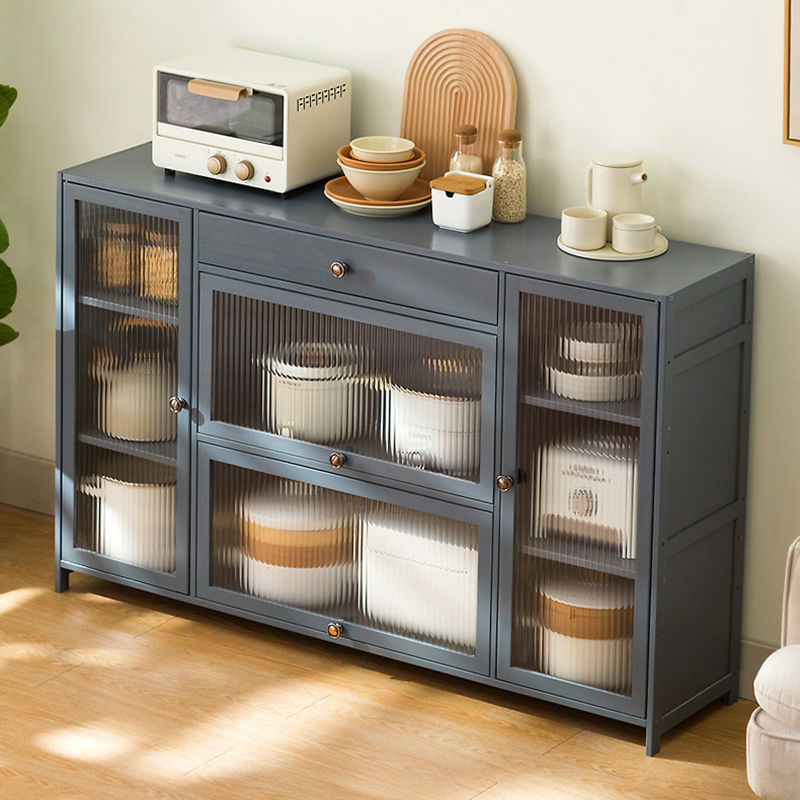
<point x="594" y="388"/>
<point x="361" y="210"/>
<point x="608" y="253"/>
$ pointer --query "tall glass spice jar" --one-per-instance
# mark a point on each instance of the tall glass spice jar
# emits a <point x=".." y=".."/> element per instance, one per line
<point x="510" y="179"/>
<point x="465" y="157"/>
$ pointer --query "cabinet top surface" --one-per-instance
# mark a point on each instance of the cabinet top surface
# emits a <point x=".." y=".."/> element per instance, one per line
<point x="528" y="248"/>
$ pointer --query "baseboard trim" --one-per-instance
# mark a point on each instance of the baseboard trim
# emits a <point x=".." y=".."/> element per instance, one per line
<point x="27" y="482"/>
<point x="753" y="656"/>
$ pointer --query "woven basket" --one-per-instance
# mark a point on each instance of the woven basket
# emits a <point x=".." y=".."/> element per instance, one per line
<point x="158" y="268"/>
<point x="116" y="258"/>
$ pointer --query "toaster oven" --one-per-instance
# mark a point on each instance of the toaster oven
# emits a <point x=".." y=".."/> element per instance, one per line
<point x="246" y="117"/>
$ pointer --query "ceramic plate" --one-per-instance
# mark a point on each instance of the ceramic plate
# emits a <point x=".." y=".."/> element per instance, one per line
<point x="363" y="209"/>
<point x="608" y="253"/>
<point x="342" y="189"/>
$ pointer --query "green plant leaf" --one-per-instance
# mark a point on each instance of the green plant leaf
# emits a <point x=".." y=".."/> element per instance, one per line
<point x="3" y="237"/>
<point x="7" y="334"/>
<point x="9" y="94"/>
<point x="8" y="289"/>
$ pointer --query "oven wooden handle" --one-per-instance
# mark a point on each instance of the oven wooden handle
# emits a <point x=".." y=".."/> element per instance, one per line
<point x="219" y="91"/>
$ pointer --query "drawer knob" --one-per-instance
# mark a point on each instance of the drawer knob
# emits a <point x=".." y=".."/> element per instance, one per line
<point x="504" y="482"/>
<point x="338" y="269"/>
<point x="337" y="460"/>
<point x="177" y="404"/>
<point x="334" y="629"/>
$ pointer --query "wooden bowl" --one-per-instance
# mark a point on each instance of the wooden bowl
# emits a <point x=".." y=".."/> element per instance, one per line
<point x="345" y="155"/>
<point x="381" y="185"/>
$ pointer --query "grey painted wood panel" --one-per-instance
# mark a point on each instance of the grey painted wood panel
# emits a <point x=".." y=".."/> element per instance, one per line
<point x="528" y="248"/>
<point x="371" y="272"/>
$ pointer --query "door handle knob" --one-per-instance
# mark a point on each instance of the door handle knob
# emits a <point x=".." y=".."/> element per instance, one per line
<point x="337" y="460"/>
<point x="338" y="269"/>
<point x="177" y="404"/>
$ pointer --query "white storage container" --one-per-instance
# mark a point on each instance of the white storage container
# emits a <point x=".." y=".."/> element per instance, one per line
<point x="587" y="631"/>
<point x="462" y="201"/>
<point x="296" y="547"/>
<point x="587" y="490"/>
<point x="420" y="576"/>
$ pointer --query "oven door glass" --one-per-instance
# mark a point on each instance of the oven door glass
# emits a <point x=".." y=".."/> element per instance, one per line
<point x="256" y="117"/>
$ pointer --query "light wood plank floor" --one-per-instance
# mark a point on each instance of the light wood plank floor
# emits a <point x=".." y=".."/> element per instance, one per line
<point x="106" y="692"/>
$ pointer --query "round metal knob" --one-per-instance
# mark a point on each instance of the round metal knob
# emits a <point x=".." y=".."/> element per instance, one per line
<point x="244" y="170"/>
<point x="504" y="482"/>
<point x="177" y="404"/>
<point x="337" y="460"/>
<point x="334" y="629"/>
<point x="338" y="269"/>
<point x="217" y="164"/>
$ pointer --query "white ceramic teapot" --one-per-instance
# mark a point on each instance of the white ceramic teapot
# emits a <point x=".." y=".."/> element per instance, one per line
<point x="614" y="183"/>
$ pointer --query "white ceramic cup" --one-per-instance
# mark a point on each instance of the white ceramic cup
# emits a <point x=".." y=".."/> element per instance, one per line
<point x="634" y="233"/>
<point x="583" y="227"/>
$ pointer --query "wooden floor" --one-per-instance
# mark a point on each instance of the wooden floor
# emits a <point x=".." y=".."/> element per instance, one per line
<point x="107" y="692"/>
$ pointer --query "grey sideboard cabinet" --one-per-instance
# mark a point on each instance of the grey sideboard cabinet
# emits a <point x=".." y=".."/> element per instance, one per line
<point x="473" y="453"/>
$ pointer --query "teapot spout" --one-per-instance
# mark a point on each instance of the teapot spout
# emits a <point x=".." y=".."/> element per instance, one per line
<point x="639" y="177"/>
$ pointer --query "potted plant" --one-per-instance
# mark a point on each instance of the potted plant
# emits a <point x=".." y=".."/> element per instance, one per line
<point x="8" y="286"/>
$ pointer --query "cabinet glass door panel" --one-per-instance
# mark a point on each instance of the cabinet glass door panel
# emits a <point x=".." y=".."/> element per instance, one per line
<point x="123" y="442"/>
<point x="127" y="371"/>
<point x="373" y="563"/>
<point x="392" y="573"/>
<point x="359" y="382"/>
<point x="578" y="573"/>
<point x="125" y="508"/>
<point x="128" y="256"/>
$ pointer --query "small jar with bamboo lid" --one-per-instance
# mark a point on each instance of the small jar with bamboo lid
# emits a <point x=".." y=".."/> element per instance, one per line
<point x="510" y="179"/>
<point x="465" y="157"/>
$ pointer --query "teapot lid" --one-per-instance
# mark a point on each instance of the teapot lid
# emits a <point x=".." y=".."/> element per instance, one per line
<point x="618" y="159"/>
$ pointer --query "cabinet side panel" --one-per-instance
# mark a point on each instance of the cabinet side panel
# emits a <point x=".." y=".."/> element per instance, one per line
<point x="700" y="507"/>
<point x="709" y="317"/>
<point x="697" y="601"/>
<point x="702" y="443"/>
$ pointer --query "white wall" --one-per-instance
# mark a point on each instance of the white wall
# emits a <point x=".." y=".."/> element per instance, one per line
<point x="695" y="87"/>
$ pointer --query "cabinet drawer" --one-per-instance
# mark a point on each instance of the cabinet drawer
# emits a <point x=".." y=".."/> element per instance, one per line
<point x="411" y="281"/>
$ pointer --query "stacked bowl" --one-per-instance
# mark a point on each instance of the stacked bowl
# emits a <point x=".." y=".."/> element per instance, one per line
<point x="381" y="168"/>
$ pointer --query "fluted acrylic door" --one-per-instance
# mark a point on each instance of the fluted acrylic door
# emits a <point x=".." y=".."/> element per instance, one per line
<point x="344" y="558"/>
<point x="126" y="352"/>
<point x="576" y="540"/>
<point x="394" y="395"/>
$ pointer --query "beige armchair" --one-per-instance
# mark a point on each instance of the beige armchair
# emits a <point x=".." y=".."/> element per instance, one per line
<point x="773" y="733"/>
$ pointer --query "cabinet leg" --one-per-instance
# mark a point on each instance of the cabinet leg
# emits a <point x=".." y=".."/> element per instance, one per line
<point x="652" y="740"/>
<point x="62" y="579"/>
<point x="731" y="697"/>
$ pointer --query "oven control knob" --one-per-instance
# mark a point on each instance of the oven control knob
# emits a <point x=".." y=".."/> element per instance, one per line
<point x="244" y="170"/>
<point x="216" y="165"/>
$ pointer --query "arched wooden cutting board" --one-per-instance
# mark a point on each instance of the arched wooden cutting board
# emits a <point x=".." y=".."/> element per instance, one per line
<point x="457" y="76"/>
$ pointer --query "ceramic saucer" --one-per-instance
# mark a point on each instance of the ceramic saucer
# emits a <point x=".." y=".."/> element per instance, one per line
<point x="608" y="253"/>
